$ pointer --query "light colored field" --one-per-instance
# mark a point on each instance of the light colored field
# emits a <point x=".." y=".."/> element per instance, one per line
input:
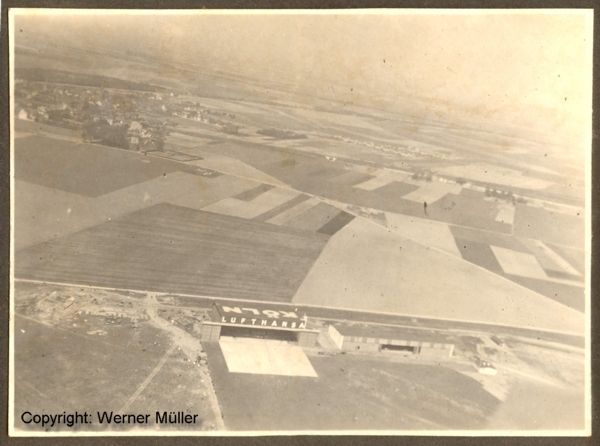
<point x="518" y="263"/>
<point x="294" y="212"/>
<point x="265" y="357"/>
<point x="261" y="204"/>
<point x="427" y="232"/>
<point x="494" y="174"/>
<point x="368" y="267"/>
<point x="214" y="190"/>
<point x="432" y="192"/>
<point x="235" y="167"/>
<point x="381" y="179"/>
<point x="548" y="258"/>
<point x="42" y="213"/>
<point x="506" y="213"/>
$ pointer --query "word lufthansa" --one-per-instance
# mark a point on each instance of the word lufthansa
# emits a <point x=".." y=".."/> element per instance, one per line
<point x="72" y="419"/>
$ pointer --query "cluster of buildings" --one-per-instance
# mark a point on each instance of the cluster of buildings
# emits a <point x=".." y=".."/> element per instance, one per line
<point x="193" y="111"/>
<point x="404" y="151"/>
<point x="118" y="118"/>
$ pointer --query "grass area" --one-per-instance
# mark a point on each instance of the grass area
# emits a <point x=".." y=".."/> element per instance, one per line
<point x="351" y="393"/>
<point x="86" y="169"/>
<point x="62" y="368"/>
<point x="175" y="249"/>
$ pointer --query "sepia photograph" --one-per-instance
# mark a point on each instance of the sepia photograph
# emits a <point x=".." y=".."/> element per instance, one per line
<point x="300" y="222"/>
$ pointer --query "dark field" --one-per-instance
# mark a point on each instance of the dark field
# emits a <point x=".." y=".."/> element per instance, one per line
<point x="64" y="369"/>
<point x="480" y="254"/>
<point x="86" y="169"/>
<point x="488" y="238"/>
<point x="282" y="208"/>
<point x="351" y="392"/>
<point x="174" y="249"/>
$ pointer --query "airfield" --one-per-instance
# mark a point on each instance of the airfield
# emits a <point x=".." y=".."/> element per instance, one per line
<point x="119" y="255"/>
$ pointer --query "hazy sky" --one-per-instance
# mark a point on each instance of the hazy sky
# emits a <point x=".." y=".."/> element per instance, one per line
<point x="524" y="68"/>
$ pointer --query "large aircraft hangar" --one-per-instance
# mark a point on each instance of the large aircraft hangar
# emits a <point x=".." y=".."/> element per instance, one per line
<point x="254" y="321"/>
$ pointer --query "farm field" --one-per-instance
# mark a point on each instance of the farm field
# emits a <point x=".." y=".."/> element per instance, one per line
<point x="351" y="392"/>
<point x="427" y="232"/>
<point x="233" y="167"/>
<point x="365" y="266"/>
<point x="174" y="249"/>
<point x="550" y="227"/>
<point x="86" y="169"/>
<point x="43" y="214"/>
<point x="254" y="207"/>
<point x="529" y="263"/>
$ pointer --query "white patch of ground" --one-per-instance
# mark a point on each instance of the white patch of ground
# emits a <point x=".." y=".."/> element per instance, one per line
<point x="518" y="263"/>
<point x="506" y="213"/>
<point x="261" y="204"/>
<point x="367" y="267"/>
<point x="548" y="258"/>
<point x="543" y="169"/>
<point x="265" y="357"/>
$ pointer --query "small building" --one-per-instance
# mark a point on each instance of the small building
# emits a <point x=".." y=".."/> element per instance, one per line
<point x="257" y="321"/>
<point x="23" y="115"/>
<point x="377" y="339"/>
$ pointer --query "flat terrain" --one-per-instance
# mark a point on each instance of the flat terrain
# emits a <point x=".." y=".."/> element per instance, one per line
<point x="86" y="169"/>
<point x="170" y="248"/>
<point x="62" y="367"/>
<point x="350" y="393"/>
<point x="367" y="267"/>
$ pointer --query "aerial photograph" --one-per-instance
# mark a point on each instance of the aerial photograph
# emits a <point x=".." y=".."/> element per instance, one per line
<point x="300" y="222"/>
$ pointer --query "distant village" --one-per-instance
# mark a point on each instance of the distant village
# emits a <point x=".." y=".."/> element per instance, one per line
<point x="127" y="119"/>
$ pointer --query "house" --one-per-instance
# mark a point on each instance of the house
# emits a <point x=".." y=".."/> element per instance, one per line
<point x="24" y="115"/>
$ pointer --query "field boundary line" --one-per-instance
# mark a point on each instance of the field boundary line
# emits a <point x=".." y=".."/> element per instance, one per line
<point x="148" y="379"/>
